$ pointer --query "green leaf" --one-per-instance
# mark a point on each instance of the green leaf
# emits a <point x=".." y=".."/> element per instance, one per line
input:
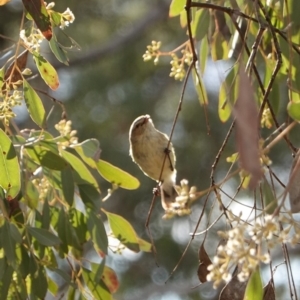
<point x="97" y="231"/>
<point x="203" y="54"/>
<point x="34" y="105"/>
<point x="39" y="283"/>
<point x="98" y="289"/>
<point x="79" y="223"/>
<point x="84" y="176"/>
<point x="9" y="244"/>
<point x="219" y="47"/>
<point x="45" y="155"/>
<point x="68" y="185"/>
<point x="46" y="215"/>
<point x="5" y="282"/>
<point x="39" y="13"/>
<point x="254" y="289"/>
<point x="9" y="166"/>
<point x="47" y="71"/>
<point x="31" y="195"/>
<point x="270" y="201"/>
<point x="43" y="236"/>
<point x="117" y="176"/>
<point x="200" y="88"/>
<point x="98" y="269"/>
<point x="123" y="231"/>
<point x="200" y="24"/>
<point x="293" y="109"/>
<point x="62" y="232"/>
<point x="224" y="107"/>
<point x="15" y="233"/>
<point x="228" y="94"/>
<point x="58" y="51"/>
<point x="63" y="274"/>
<point x="144" y="245"/>
<point x="176" y="7"/>
<point x="2" y="73"/>
<point x="24" y="260"/>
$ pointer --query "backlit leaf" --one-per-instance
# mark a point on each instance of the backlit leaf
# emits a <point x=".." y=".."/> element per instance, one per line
<point x="9" y="166"/>
<point x="117" y="176"/>
<point x="34" y="105"/>
<point x="47" y="71"/>
<point x="123" y="231"/>
<point x="176" y="7"/>
<point x="254" y="289"/>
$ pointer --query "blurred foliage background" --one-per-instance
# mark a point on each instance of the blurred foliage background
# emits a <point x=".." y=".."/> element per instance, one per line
<point x="105" y="87"/>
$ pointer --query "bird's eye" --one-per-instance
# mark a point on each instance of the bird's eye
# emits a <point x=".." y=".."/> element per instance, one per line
<point x="137" y="125"/>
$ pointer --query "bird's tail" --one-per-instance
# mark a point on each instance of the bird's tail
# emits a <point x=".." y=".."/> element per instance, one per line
<point x="168" y="194"/>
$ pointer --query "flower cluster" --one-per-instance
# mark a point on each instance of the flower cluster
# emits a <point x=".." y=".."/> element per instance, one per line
<point x="33" y="38"/>
<point x="182" y="205"/>
<point x="244" y="246"/>
<point x="6" y="106"/>
<point x="65" y="129"/>
<point x="178" y="64"/>
<point x="152" y="51"/>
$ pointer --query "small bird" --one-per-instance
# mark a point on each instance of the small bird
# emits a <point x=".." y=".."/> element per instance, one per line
<point x="148" y="149"/>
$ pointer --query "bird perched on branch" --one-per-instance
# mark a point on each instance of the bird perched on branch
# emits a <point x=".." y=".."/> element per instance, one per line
<point x="149" y="150"/>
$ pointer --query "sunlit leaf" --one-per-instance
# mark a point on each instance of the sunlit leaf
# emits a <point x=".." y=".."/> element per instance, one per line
<point x="219" y="47"/>
<point x="39" y="13"/>
<point x="79" y="223"/>
<point x="34" y="104"/>
<point x="254" y="289"/>
<point x="123" y="231"/>
<point x="98" y="289"/>
<point x="1" y="77"/>
<point x="97" y="269"/>
<point x="117" y="176"/>
<point x="176" y="7"/>
<point x="293" y="109"/>
<point x="203" y="54"/>
<point x="47" y="71"/>
<point x="200" y="88"/>
<point x="31" y="195"/>
<point x="110" y="279"/>
<point x="224" y="106"/>
<point x="144" y="245"/>
<point x="10" y="169"/>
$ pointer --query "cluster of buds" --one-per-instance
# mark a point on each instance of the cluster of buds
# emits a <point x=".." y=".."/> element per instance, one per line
<point x="65" y="129"/>
<point x="152" y="52"/>
<point x="182" y="205"/>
